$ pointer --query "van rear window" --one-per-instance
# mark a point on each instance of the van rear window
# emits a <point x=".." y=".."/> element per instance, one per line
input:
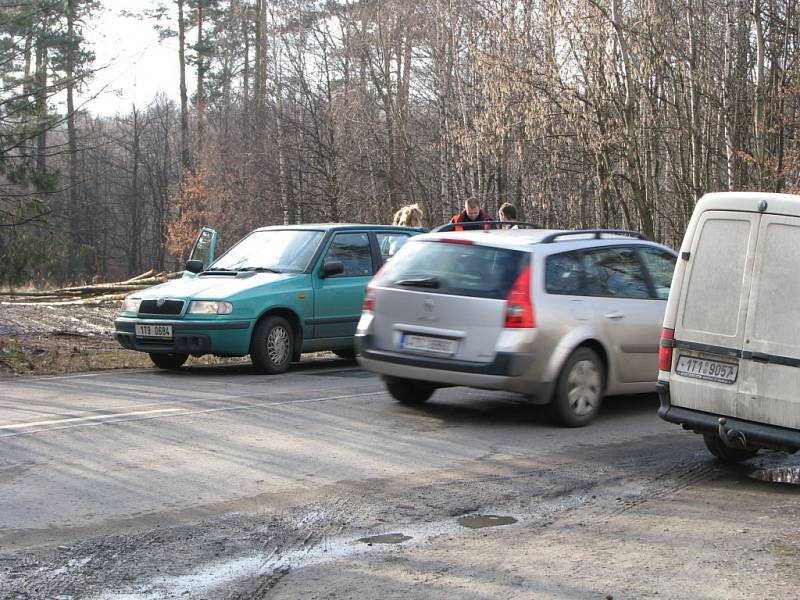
<point x="776" y="311"/>
<point x="715" y="283"/>
<point x="455" y="269"/>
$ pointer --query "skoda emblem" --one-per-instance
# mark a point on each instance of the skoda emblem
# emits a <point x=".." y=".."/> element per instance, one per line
<point x="160" y="302"/>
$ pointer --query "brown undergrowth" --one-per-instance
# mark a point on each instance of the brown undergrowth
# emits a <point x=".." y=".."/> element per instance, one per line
<point x="48" y="354"/>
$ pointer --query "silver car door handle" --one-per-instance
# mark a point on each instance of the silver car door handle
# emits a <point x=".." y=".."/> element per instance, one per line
<point x="614" y="315"/>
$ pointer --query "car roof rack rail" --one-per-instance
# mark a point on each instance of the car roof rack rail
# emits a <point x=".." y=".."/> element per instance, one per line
<point x="492" y="225"/>
<point x="598" y="233"/>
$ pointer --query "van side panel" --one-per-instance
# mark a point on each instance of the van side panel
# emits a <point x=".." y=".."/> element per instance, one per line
<point x="769" y="390"/>
<point x="712" y="308"/>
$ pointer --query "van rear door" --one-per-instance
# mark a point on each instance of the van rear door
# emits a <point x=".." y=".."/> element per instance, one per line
<point x="709" y="330"/>
<point x="770" y="370"/>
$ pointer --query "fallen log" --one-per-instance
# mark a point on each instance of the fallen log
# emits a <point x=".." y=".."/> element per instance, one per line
<point x="147" y="275"/>
<point x="99" y="292"/>
<point x="88" y="301"/>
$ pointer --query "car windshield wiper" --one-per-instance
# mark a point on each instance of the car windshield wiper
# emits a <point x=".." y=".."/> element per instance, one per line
<point x="426" y="282"/>
<point x="260" y="269"/>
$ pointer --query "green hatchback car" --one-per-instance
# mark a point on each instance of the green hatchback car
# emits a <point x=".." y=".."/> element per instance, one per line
<point x="277" y="293"/>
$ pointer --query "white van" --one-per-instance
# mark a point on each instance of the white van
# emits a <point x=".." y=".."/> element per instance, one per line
<point x="729" y="362"/>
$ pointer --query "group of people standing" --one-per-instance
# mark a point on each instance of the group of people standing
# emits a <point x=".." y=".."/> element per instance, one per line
<point x="472" y="217"/>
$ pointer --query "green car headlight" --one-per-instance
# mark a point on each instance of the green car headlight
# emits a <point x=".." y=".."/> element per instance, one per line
<point x="210" y="307"/>
<point x="131" y="304"/>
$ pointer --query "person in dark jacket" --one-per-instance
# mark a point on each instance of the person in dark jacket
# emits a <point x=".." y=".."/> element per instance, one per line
<point x="471" y="215"/>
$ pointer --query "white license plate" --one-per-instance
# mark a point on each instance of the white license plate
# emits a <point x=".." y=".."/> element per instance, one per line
<point x="701" y="368"/>
<point x="424" y="343"/>
<point x="154" y="331"/>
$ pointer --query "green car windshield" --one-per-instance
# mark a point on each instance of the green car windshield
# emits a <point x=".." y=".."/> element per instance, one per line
<point x="278" y="250"/>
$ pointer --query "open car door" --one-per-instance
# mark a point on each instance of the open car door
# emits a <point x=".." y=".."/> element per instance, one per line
<point x="203" y="252"/>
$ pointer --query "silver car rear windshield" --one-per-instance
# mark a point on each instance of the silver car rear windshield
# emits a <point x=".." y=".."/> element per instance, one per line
<point x="281" y="250"/>
<point x="458" y="269"/>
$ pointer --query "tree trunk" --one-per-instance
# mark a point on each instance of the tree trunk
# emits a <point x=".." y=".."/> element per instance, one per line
<point x="759" y="129"/>
<point x="186" y="163"/>
<point x="201" y="96"/>
<point x="74" y="211"/>
<point x="41" y="110"/>
<point x="727" y="111"/>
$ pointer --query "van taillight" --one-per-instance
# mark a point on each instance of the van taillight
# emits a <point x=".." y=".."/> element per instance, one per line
<point x="665" y="349"/>
<point x="519" y="304"/>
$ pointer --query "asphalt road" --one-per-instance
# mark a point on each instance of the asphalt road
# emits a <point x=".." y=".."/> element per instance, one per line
<point x="83" y="449"/>
<point x="223" y="464"/>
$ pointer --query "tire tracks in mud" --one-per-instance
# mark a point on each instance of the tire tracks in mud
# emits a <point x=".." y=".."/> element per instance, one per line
<point x="542" y="491"/>
<point x="682" y="476"/>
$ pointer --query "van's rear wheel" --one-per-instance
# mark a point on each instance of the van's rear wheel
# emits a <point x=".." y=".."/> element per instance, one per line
<point x="723" y="452"/>
<point x="168" y="361"/>
<point x="579" y="390"/>
<point x="408" y="391"/>
<point x="272" y="347"/>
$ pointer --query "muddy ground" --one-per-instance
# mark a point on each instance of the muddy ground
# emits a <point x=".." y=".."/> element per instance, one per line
<point x="675" y="525"/>
<point x="629" y="507"/>
<point x="45" y="339"/>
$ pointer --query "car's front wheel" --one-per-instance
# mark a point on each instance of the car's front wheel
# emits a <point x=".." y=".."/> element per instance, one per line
<point x="579" y="390"/>
<point x="272" y="346"/>
<point x="408" y="391"/>
<point x="168" y="361"/>
<point x="724" y="453"/>
<point x="349" y="354"/>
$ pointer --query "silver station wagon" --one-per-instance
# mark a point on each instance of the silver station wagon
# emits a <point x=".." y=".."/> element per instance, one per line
<point x="564" y="317"/>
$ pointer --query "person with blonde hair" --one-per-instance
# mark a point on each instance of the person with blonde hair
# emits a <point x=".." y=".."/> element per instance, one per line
<point x="408" y="216"/>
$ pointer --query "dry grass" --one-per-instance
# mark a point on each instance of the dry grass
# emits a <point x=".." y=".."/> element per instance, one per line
<point x="47" y="354"/>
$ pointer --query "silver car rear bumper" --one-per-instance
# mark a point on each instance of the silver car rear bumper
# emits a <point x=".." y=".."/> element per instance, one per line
<point x="503" y="373"/>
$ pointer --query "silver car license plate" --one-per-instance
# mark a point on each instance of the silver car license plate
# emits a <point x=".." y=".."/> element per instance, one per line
<point x="154" y="331"/>
<point x="424" y="343"/>
<point x="701" y="368"/>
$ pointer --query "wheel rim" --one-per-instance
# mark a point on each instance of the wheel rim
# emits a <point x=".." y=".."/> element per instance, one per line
<point x="278" y="345"/>
<point x="583" y="387"/>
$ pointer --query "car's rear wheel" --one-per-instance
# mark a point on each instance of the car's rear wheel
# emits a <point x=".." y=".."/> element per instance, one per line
<point x="723" y="452"/>
<point x="579" y="390"/>
<point x="169" y="360"/>
<point x="408" y="391"/>
<point x="272" y="346"/>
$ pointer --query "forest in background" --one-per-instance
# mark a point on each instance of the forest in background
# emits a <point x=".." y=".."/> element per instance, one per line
<point x="583" y="113"/>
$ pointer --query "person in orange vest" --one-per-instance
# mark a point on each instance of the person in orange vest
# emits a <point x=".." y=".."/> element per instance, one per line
<point x="471" y="214"/>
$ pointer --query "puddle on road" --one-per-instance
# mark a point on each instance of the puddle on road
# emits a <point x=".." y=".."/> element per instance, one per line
<point x="777" y="467"/>
<point x="206" y="580"/>
<point x="388" y="538"/>
<point x="778" y="475"/>
<point x="481" y="521"/>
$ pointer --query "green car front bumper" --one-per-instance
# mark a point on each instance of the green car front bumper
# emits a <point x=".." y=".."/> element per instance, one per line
<point x="222" y="338"/>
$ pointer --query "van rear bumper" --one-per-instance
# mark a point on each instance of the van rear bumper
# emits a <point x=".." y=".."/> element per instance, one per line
<point x="758" y="434"/>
